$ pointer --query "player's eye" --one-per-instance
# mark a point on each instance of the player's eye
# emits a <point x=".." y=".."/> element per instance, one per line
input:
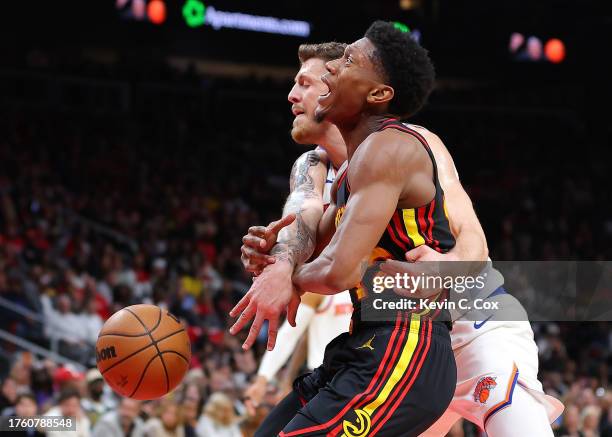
<point x="349" y="60"/>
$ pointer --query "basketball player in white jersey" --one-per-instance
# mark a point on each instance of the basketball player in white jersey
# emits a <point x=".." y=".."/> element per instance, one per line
<point x="322" y="318"/>
<point x="490" y="392"/>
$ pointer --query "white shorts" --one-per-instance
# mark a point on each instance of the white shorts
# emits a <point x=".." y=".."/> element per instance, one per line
<point x="492" y="359"/>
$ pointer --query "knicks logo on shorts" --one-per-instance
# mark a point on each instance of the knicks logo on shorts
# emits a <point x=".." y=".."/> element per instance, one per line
<point x="483" y="388"/>
<point x="359" y="428"/>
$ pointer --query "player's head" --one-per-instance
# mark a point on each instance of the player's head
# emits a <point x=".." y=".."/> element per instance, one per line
<point x="307" y="88"/>
<point x="385" y="72"/>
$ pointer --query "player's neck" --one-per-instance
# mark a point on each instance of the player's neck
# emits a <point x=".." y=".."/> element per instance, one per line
<point x="355" y="133"/>
<point x="334" y="147"/>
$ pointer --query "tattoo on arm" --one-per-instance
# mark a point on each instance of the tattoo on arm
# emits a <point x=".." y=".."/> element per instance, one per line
<point x="300" y="179"/>
<point x="296" y="243"/>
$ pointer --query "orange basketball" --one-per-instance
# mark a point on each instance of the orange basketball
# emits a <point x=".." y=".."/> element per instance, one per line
<point x="143" y="352"/>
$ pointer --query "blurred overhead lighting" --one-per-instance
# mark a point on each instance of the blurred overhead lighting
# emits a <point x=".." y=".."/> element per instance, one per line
<point x="409" y="4"/>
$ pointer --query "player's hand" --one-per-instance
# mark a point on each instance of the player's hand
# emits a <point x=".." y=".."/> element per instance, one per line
<point x="270" y="295"/>
<point x="423" y="263"/>
<point x="258" y="242"/>
<point x="254" y="394"/>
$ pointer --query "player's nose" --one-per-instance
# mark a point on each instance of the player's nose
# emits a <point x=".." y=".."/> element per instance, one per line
<point x="294" y="95"/>
<point x="332" y="66"/>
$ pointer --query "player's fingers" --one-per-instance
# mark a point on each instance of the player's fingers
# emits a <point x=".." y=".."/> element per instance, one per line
<point x="272" y="332"/>
<point x="416" y="253"/>
<point x="257" y="258"/>
<point x="391" y="267"/>
<point x="253" y="241"/>
<point x="276" y="226"/>
<point x="240" y="306"/>
<point x="244" y="318"/>
<point x="292" y="308"/>
<point x="258" y="231"/>
<point x="253" y="332"/>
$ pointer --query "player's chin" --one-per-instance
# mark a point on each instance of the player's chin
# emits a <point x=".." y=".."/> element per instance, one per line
<point x="301" y="134"/>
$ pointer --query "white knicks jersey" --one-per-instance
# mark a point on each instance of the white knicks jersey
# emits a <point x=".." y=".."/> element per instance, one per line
<point x="332" y="318"/>
<point x="329" y="181"/>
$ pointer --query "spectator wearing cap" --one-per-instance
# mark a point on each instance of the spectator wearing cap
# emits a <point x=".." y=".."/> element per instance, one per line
<point x="67" y="377"/>
<point x="122" y="422"/>
<point x="95" y="404"/>
<point x="69" y="405"/>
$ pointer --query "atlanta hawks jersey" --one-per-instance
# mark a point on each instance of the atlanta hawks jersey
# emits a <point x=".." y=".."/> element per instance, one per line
<point x="407" y="229"/>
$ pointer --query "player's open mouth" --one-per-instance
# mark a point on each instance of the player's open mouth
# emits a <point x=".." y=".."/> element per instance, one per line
<point x="329" y="91"/>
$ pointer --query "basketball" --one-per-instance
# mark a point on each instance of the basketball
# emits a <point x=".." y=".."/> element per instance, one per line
<point x="143" y="352"/>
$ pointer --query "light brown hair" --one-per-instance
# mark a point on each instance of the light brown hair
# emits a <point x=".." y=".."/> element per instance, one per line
<point x="327" y="51"/>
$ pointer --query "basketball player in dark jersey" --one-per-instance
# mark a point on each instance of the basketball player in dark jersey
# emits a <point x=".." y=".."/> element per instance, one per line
<point x="388" y="377"/>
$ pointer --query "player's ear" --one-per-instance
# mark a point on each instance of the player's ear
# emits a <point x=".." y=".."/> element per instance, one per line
<point x="381" y="93"/>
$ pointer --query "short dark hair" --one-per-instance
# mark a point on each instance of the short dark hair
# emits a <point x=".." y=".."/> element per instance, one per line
<point x="25" y="395"/>
<point x="404" y="64"/>
<point x="327" y="51"/>
<point x="68" y="393"/>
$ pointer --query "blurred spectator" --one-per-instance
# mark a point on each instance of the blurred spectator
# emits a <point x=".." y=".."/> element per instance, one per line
<point x="8" y="394"/>
<point x="25" y="406"/>
<point x="249" y="424"/>
<point x="190" y="400"/>
<point x="168" y="421"/>
<point x="590" y="421"/>
<point x="571" y="423"/>
<point x="69" y="404"/>
<point x="122" y="422"/>
<point x="66" y="328"/>
<point x="95" y="404"/>
<point x="218" y="418"/>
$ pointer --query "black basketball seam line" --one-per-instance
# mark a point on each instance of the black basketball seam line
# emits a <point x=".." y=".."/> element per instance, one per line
<point x="141" y="349"/>
<point x="178" y="353"/>
<point x="144" y="372"/>
<point x="133" y="335"/>
<point x="155" y="344"/>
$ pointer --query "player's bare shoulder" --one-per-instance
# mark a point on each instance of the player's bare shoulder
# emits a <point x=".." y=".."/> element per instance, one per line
<point x="387" y="154"/>
<point x="309" y="170"/>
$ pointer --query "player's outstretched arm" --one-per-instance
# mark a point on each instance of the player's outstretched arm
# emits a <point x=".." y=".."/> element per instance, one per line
<point x="293" y="241"/>
<point x="377" y="175"/>
<point x="272" y="292"/>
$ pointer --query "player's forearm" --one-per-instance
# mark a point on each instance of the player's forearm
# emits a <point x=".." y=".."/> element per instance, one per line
<point x="326" y="276"/>
<point x="470" y="244"/>
<point x="296" y="242"/>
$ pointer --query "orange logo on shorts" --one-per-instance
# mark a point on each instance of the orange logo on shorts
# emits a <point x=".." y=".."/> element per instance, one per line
<point x="483" y="389"/>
